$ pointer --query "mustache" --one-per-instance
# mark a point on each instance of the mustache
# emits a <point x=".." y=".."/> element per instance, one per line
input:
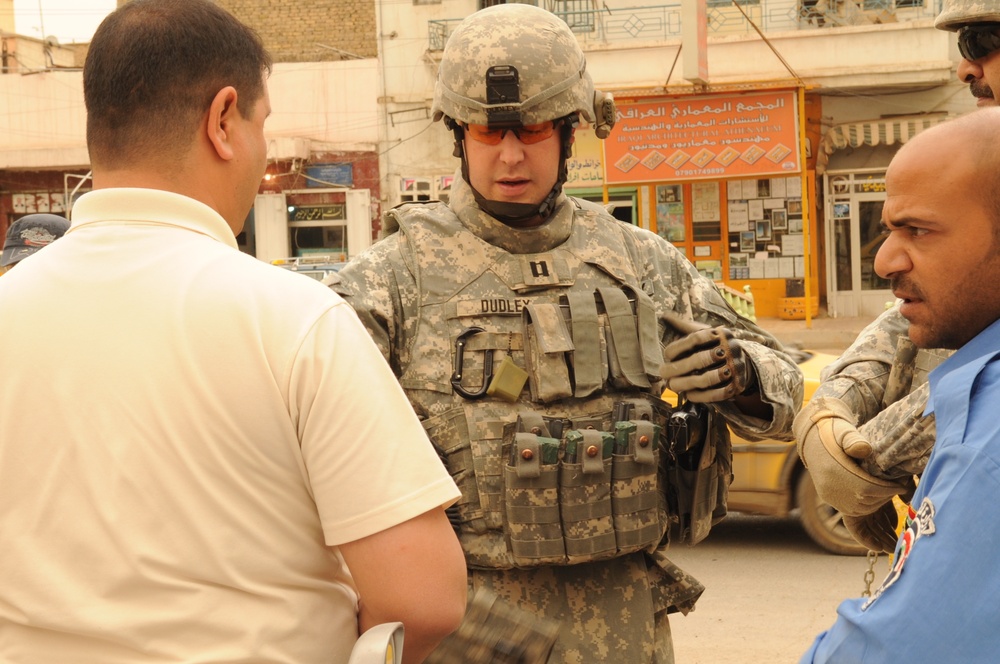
<point x="980" y="89"/>
<point x="903" y="285"/>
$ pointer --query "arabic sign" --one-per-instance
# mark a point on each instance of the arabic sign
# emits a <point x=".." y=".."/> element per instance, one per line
<point x="325" y="175"/>
<point x="317" y="212"/>
<point x="585" y="168"/>
<point x="710" y="137"/>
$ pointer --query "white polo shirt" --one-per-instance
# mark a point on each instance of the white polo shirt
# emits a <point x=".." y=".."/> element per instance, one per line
<point x="185" y="432"/>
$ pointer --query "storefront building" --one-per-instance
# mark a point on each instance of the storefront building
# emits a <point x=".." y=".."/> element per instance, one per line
<point x="766" y="170"/>
<point x="724" y="177"/>
<point x="322" y="192"/>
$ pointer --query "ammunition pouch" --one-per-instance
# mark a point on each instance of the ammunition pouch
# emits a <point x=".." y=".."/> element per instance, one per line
<point x="559" y="491"/>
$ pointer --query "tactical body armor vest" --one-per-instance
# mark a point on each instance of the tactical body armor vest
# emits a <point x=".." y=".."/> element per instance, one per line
<point x="549" y="420"/>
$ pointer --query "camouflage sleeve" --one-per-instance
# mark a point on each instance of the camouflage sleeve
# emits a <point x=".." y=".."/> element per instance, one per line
<point x="859" y="377"/>
<point x="678" y="287"/>
<point x="377" y="284"/>
<point x="901" y="437"/>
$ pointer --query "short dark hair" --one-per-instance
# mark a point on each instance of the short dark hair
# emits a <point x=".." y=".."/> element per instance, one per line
<point x="154" y="67"/>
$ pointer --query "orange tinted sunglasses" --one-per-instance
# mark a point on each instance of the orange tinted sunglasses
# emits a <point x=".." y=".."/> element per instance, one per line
<point x="528" y="134"/>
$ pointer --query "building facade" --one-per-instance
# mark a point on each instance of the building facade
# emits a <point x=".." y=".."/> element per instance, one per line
<point x="322" y="193"/>
<point x="759" y="149"/>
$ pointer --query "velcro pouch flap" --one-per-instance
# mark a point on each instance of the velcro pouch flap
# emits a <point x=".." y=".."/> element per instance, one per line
<point x="592" y="450"/>
<point x="588" y="365"/>
<point x="646" y="435"/>
<point x="527" y="455"/>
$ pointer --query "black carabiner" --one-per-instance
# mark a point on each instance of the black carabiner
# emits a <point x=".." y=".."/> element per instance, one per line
<point x="456" y="376"/>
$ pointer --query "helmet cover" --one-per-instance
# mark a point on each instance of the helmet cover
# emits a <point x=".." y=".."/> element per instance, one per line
<point x="958" y="13"/>
<point x="476" y="84"/>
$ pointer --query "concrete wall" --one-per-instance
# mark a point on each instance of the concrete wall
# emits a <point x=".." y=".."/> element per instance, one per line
<point x="863" y="71"/>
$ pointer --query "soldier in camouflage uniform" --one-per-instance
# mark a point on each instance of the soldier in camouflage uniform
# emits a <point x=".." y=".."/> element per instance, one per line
<point x="863" y="435"/>
<point x="533" y="334"/>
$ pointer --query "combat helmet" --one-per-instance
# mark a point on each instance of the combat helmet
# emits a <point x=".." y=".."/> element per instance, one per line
<point x="511" y="65"/>
<point x="957" y="13"/>
<point x="516" y="64"/>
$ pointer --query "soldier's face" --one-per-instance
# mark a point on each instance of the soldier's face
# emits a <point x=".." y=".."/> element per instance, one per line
<point x="983" y="77"/>
<point x="512" y="171"/>
<point x="940" y="254"/>
<point x="982" y="74"/>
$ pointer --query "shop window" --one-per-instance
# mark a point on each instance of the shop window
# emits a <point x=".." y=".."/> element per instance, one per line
<point x="483" y="4"/>
<point x="425" y="189"/>
<point x="670" y="212"/>
<point x="706" y="212"/>
<point x="318" y="230"/>
<point x="415" y="190"/>
<point x="444" y="183"/>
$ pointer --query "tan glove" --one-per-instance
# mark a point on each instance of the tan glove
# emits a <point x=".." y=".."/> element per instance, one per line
<point x="877" y="530"/>
<point x="829" y="444"/>
<point x="708" y="365"/>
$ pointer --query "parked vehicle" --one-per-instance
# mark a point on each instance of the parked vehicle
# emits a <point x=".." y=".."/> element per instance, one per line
<point x="769" y="477"/>
<point x="317" y="267"/>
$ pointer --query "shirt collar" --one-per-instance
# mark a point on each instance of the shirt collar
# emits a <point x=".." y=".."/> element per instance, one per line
<point x="966" y="362"/>
<point x="150" y="206"/>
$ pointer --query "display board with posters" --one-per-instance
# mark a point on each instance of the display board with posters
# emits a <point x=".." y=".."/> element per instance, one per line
<point x="765" y="228"/>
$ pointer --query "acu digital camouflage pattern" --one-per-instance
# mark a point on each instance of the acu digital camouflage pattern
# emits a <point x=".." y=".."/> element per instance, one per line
<point x="497" y="631"/>
<point x="442" y="270"/>
<point x="882" y="379"/>
<point x="956" y="13"/>
<point x="553" y="72"/>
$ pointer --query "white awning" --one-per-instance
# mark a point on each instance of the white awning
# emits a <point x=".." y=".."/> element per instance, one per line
<point x="885" y="131"/>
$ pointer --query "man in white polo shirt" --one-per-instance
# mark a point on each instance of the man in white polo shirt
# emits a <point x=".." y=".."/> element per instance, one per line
<point x="203" y="458"/>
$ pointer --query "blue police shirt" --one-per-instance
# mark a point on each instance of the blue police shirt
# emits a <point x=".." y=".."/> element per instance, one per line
<point x="938" y="602"/>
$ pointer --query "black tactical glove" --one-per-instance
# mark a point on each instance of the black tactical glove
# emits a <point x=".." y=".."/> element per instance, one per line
<point x="708" y="365"/>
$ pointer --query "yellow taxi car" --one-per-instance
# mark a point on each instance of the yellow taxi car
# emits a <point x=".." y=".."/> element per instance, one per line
<point x="769" y="477"/>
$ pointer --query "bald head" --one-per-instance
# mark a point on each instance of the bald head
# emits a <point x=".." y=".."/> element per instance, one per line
<point x="963" y="155"/>
<point x="943" y="220"/>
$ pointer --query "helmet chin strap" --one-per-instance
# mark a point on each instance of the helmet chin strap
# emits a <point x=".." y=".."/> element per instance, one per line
<point x="515" y="214"/>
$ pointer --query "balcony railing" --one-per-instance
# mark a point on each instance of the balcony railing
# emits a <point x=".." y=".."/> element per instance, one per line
<point x="661" y="22"/>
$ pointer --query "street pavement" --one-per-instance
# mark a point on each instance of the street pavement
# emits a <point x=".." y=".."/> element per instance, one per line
<point x="769" y="591"/>
<point x="822" y="333"/>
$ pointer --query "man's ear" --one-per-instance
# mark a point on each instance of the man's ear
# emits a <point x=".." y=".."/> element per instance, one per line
<point x="221" y="121"/>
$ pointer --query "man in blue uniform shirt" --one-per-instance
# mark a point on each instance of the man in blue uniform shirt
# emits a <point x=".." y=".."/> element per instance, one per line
<point x="942" y="256"/>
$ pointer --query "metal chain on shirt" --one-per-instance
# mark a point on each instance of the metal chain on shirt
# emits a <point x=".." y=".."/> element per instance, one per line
<point x="870" y="573"/>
